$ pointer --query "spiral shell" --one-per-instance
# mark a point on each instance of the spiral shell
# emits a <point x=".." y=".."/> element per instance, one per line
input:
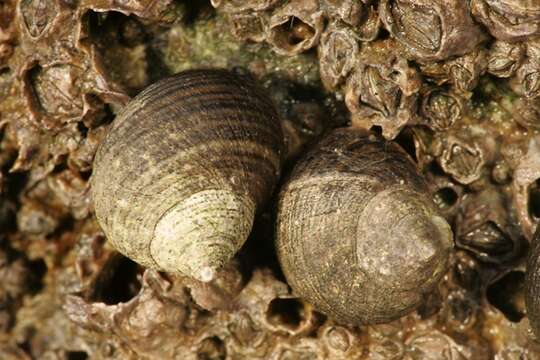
<point x="184" y="168"/>
<point x="358" y="235"/>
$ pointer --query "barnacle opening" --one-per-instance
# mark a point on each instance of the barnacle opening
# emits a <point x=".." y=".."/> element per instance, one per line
<point x="462" y="308"/>
<point x="118" y="281"/>
<point x="292" y="32"/>
<point x="286" y="313"/>
<point x="212" y="348"/>
<point x="533" y="200"/>
<point x="120" y="42"/>
<point x="406" y="140"/>
<point x="76" y="355"/>
<point x="445" y="198"/>
<point x="508" y="295"/>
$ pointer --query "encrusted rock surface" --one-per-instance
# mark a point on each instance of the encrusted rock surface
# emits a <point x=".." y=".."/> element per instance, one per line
<point x="461" y="94"/>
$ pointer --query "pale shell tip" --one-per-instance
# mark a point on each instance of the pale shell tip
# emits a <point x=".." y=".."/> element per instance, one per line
<point x="206" y="274"/>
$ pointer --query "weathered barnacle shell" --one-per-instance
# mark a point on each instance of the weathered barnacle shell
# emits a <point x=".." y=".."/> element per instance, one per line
<point x="357" y="233"/>
<point x="431" y="30"/>
<point x="383" y="89"/>
<point x="526" y="189"/>
<point x="441" y="108"/>
<point x="509" y="20"/>
<point x="37" y="16"/>
<point x="447" y="193"/>
<point x="463" y="156"/>
<point x="338" y="54"/>
<point x="465" y="71"/>
<point x="296" y="27"/>
<point x="527" y="79"/>
<point x="251" y="26"/>
<point x="184" y="168"/>
<point x="482" y="227"/>
<point x="349" y="11"/>
<point x="505" y="58"/>
<point x="370" y="24"/>
<point x="362" y="18"/>
<point x="527" y="112"/>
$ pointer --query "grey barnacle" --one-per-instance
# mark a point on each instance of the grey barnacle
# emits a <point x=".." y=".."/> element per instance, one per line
<point x="465" y="71"/>
<point x="482" y="227"/>
<point x="296" y="27"/>
<point x="431" y="30"/>
<point x="383" y="89"/>
<point x="338" y="54"/>
<point x="509" y="20"/>
<point x="463" y="157"/>
<point x="441" y="108"/>
<point x="505" y="58"/>
<point x="527" y="112"/>
<point x="527" y="80"/>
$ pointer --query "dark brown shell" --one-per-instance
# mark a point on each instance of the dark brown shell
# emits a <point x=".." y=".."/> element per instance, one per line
<point x="358" y="235"/>
<point x="184" y="168"/>
<point x="532" y="285"/>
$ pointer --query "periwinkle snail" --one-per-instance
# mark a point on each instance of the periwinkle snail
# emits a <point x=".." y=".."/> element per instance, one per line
<point x="357" y="234"/>
<point x="184" y="168"/>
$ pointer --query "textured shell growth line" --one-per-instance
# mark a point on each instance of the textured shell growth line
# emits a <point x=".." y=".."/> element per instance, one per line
<point x="358" y="236"/>
<point x="184" y="168"/>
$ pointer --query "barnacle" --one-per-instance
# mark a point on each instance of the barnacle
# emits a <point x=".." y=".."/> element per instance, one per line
<point x="505" y="58"/>
<point x="482" y="227"/>
<point x="465" y="71"/>
<point x="463" y="159"/>
<point x="441" y="108"/>
<point x="296" y="27"/>
<point x="338" y="54"/>
<point x="383" y="90"/>
<point x="528" y="112"/>
<point x="525" y="189"/>
<point x="249" y="25"/>
<point x="527" y="79"/>
<point x="508" y="20"/>
<point x="447" y="194"/>
<point x="431" y="30"/>
<point x="459" y="96"/>
<point x="362" y="18"/>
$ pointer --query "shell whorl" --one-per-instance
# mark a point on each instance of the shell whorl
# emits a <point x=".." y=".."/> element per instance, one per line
<point x="357" y="234"/>
<point x="183" y="169"/>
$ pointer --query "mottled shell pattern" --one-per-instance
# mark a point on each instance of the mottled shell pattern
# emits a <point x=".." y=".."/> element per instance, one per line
<point x="184" y="168"/>
<point x="358" y="235"/>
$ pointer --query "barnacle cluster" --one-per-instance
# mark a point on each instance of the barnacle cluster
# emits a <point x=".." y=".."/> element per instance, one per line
<point x="456" y="83"/>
